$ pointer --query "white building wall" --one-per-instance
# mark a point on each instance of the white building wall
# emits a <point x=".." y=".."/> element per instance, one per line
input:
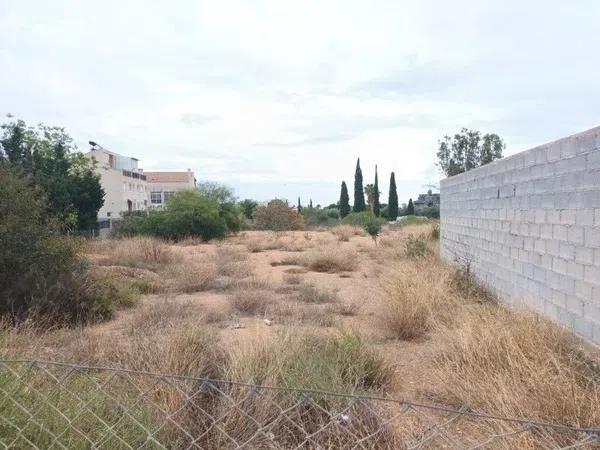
<point x="529" y="225"/>
<point x="118" y="187"/>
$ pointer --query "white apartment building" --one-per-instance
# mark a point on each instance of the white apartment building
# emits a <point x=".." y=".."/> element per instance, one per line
<point x="162" y="186"/>
<point x="124" y="183"/>
<point x="128" y="188"/>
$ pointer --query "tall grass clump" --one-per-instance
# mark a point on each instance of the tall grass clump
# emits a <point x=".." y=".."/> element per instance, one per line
<point x="519" y="364"/>
<point x="416" y="297"/>
<point x="141" y="251"/>
<point x="334" y="363"/>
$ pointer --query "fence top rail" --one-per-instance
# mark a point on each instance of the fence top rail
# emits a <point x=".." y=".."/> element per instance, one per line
<point x="464" y="410"/>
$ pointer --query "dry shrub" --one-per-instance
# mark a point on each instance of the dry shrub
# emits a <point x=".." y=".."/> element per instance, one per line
<point x="252" y="301"/>
<point x="144" y="280"/>
<point x="227" y="284"/>
<point x="518" y="364"/>
<point x="159" y="314"/>
<point x="416" y="298"/>
<point x="277" y="215"/>
<point x="345" y="232"/>
<point x="309" y="293"/>
<point x="191" y="276"/>
<point x="331" y="259"/>
<point x="348" y="307"/>
<point x="294" y="313"/>
<point x="292" y="279"/>
<point x="146" y="252"/>
<point x="416" y="247"/>
<point x="295" y="270"/>
<point x="232" y="262"/>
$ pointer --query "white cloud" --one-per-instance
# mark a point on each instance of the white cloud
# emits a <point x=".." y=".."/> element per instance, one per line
<point x="282" y="97"/>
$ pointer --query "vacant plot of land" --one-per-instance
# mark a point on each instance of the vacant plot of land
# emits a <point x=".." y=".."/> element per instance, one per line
<point x="328" y="310"/>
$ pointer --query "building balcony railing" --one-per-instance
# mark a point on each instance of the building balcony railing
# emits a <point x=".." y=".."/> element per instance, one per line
<point x="136" y="175"/>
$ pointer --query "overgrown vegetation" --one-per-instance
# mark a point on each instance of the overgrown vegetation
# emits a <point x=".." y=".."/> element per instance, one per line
<point x="277" y="215"/>
<point x="187" y="214"/>
<point x="41" y="273"/>
<point x="48" y="158"/>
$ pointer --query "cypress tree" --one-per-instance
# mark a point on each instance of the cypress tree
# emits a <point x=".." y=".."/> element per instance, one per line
<point x="359" y="196"/>
<point x="410" y="209"/>
<point x="393" y="199"/>
<point x="310" y="204"/>
<point x="344" y="201"/>
<point x="299" y="205"/>
<point x="376" y="206"/>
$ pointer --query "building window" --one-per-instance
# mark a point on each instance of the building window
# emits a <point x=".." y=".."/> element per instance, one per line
<point x="168" y="195"/>
<point x="156" y="197"/>
<point x="108" y="214"/>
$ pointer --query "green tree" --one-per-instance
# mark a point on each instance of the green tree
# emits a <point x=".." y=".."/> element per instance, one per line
<point x="248" y="206"/>
<point x="491" y="148"/>
<point x="310" y="204"/>
<point x="344" y="201"/>
<point x="410" y="208"/>
<point x="376" y="205"/>
<point x="393" y="199"/>
<point x="359" y="196"/>
<point x="225" y="198"/>
<point x="48" y="155"/>
<point x="299" y="205"/>
<point x="467" y="150"/>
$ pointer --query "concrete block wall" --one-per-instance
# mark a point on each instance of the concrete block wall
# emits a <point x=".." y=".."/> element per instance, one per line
<point x="529" y="226"/>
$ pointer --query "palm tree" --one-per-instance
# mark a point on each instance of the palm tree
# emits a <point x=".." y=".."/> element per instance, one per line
<point x="371" y="193"/>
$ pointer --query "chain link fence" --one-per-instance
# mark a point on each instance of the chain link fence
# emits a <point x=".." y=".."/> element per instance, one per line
<point x="63" y="406"/>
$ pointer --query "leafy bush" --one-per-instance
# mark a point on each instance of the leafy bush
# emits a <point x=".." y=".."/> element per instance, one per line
<point x="47" y="155"/>
<point x="187" y="214"/>
<point x="373" y="227"/>
<point x="317" y="216"/>
<point x="225" y="198"/>
<point x="40" y="272"/>
<point x="277" y="215"/>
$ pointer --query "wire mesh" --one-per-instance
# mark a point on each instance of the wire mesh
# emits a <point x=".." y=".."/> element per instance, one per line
<point x="55" y="405"/>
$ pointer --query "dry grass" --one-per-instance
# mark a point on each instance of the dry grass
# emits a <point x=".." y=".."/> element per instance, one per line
<point x="309" y="293"/>
<point x="145" y="252"/>
<point x="416" y="298"/>
<point x="292" y="279"/>
<point x="191" y="276"/>
<point x="345" y="232"/>
<point x="518" y="364"/>
<point x="294" y="313"/>
<point x="232" y="262"/>
<point x="330" y="259"/>
<point x="252" y="301"/>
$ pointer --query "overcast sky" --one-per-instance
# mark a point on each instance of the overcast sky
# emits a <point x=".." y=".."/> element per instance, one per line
<point x="279" y="98"/>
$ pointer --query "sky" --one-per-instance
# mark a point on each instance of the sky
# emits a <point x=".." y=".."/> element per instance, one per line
<point x="279" y="98"/>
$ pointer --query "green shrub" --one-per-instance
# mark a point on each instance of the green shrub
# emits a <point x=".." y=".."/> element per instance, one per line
<point x="277" y="215"/>
<point x="187" y="214"/>
<point x="415" y="247"/>
<point x="373" y="227"/>
<point x="361" y="219"/>
<point x="40" y="271"/>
